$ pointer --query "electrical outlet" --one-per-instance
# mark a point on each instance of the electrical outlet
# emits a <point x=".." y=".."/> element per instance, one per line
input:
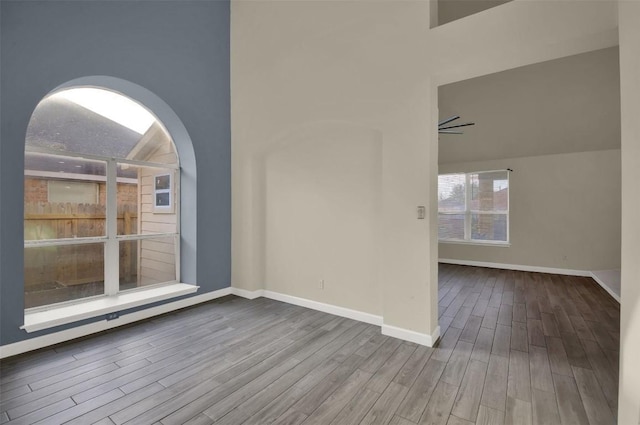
<point x="321" y="284"/>
<point x="112" y="316"/>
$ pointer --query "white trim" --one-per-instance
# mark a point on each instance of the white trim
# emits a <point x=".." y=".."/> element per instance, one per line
<point x="75" y="176"/>
<point x="91" y="328"/>
<point x="518" y="267"/>
<point x="536" y="269"/>
<point x="499" y="244"/>
<point x="36" y="243"/>
<point x="326" y="308"/>
<point x="605" y="287"/>
<point x="142" y="236"/>
<point x="400" y="333"/>
<point x="52" y="317"/>
<point x="508" y="170"/>
<point x="84" y="330"/>
<point x="250" y="295"/>
<point x="467" y="206"/>
<point x="96" y="239"/>
<point x="412" y="336"/>
<point x="112" y="245"/>
<point x="50" y="152"/>
<point x="176" y="242"/>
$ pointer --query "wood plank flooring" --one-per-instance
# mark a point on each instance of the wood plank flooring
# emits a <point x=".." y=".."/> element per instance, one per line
<point x="517" y="348"/>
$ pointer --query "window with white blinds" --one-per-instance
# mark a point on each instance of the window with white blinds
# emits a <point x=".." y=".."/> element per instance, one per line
<point x="474" y="207"/>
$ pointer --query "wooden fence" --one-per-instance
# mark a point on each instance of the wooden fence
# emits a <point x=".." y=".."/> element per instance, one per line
<point x="52" y="266"/>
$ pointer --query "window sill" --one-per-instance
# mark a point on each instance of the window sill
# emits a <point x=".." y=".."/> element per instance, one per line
<point x="476" y="243"/>
<point x="69" y="313"/>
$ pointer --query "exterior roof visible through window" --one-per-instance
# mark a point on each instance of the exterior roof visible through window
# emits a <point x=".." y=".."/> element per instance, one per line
<point x="61" y="125"/>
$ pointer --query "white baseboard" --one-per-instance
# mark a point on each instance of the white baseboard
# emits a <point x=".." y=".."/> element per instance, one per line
<point x="412" y="336"/>
<point x="250" y="295"/>
<point x="326" y="308"/>
<point x="103" y="325"/>
<point x="400" y="333"/>
<point x="567" y="272"/>
<point x="80" y="331"/>
<point x="551" y="270"/>
<point x="605" y="287"/>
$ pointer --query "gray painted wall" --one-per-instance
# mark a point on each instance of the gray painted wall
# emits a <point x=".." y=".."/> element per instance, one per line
<point x="565" y="105"/>
<point x="564" y="212"/>
<point x="178" y="50"/>
<point x="451" y="10"/>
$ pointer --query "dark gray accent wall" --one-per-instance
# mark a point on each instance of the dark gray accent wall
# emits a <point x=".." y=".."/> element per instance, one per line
<point x="178" y="50"/>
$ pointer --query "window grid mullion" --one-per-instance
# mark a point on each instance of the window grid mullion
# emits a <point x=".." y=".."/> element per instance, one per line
<point x="489" y="212"/>
<point x="176" y="197"/>
<point x="467" y="207"/>
<point x="111" y="251"/>
<point x="56" y="153"/>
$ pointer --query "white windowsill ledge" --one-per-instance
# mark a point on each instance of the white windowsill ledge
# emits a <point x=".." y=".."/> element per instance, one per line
<point x="69" y="313"/>
<point x="476" y="243"/>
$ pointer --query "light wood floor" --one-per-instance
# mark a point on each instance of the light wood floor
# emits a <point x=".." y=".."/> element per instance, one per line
<point x="517" y="348"/>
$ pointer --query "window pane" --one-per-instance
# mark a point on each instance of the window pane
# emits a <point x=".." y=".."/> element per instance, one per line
<point x="451" y="192"/>
<point x="451" y="226"/>
<point x="128" y="202"/>
<point x="147" y="262"/>
<point x="490" y="191"/>
<point x="90" y="121"/>
<point x="75" y="192"/>
<point x="489" y="227"/>
<point x="146" y="200"/>
<point x="54" y="274"/>
<point x="64" y="197"/>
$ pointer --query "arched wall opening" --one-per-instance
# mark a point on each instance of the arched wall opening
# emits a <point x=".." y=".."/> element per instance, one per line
<point x="183" y="144"/>
<point x="104" y="237"/>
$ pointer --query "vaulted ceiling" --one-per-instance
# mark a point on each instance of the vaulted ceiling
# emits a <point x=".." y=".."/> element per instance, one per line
<point x="560" y="106"/>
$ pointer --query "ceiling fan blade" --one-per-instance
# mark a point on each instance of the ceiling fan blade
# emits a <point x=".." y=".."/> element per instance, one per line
<point x="450" y="132"/>
<point x="456" y="126"/>
<point x="448" y="120"/>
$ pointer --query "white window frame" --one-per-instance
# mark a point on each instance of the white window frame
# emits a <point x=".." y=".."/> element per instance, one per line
<point x="112" y="240"/>
<point x="167" y="209"/>
<point x="468" y="212"/>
